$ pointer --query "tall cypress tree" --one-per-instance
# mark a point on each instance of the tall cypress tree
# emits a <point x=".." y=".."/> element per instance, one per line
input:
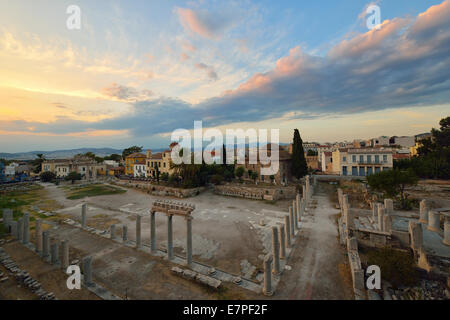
<point x="299" y="166"/>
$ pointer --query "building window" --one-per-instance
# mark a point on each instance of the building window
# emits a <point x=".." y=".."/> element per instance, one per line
<point x="164" y="165"/>
<point x="369" y="159"/>
<point x="361" y="159"/>
<point x="377" y="159"/>
<point x="353" y="158"/>
<point x="384" y="157"/>
<point x="344" y="159"/>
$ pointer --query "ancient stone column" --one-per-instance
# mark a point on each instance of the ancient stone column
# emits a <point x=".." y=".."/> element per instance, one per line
<point x="20" y="229"/>
<point x="294" y="209"/>
<point x="113" y="232"/>
<point x="153" y="232"/>
<point x="189" y="240"/>
<point x="169" y="237"/>
<point x="416" y="235"/>
<point x="381" y="212"/>
<point x="282" y="240"/>
<point x="446" y="239"/>
<point x="45" y="244"/>
<point x="374" y="211"/>
<point x="7" y="217"/>
<point x="26" y="228"/>
<point x="38" y="233"/>
<point x="54" y="254"/>
<point x="423" y="211"/>
<point x="387" y="223"/>
<point x="287" y="232"/>
<point x="298" y="206"/>
<point x="305" y="196"/>
<point x="83" y="215"/>
<point x="340" y="194"/>
<point x="434" y="221"/>
<point x="267" y="290"/>
<point x="65" y="254"/>
<point x="124" y="233"/>
<point x="275" y="251"/>
<point x="87" y="271"/>
<point x="14" y="230"/>
<point x="292" y="222"/>
<point x="389" y="205"/>
<point x="138" y="231"/>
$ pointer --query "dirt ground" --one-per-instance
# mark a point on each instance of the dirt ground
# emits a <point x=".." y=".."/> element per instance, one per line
<point x="133" y="274"/>
<point x="226" y="231"/>
<point x="320" y="267"/>
<point x="51" y="278"/>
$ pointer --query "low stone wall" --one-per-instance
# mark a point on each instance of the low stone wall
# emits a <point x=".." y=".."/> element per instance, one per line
<point x="160" y="190"/>
<point x="257" y="193"/>
<point x="356" y="269"/>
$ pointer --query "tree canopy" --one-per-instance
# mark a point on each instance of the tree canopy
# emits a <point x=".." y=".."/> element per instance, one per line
<point x="393" y="183"/>
<point x="126" y="152"/>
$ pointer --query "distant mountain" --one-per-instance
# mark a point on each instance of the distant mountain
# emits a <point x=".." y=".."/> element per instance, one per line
<point x="59" y="154"/>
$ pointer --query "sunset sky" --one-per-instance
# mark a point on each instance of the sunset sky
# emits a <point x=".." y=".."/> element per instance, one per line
<point x="137" y="70"/>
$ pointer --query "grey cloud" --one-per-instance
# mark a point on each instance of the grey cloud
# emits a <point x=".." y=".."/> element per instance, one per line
<point x="395" y="68"/>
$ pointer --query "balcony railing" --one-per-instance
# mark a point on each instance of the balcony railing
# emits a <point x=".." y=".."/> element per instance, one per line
<point x="374" y="162"/>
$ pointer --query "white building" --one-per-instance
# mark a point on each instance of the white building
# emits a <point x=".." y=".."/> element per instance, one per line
<point x="140" y="170"/>
<point x="111" y="163"/>
<point x="10" y="170"/>
<point x="362" y="161"/>
<point x="404" y="142"/>
<point x="326" y="157"/>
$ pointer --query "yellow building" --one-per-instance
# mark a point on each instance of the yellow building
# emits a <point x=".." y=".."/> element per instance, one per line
<point x="131" y="160"/>
<point x="158" y="160"/>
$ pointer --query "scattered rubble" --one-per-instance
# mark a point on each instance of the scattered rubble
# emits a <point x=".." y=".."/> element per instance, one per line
<point x="23" y="278"/>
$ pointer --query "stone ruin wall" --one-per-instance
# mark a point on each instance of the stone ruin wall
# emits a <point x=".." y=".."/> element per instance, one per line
<point x="160" y="190"/>
<point x="256" y="193"/>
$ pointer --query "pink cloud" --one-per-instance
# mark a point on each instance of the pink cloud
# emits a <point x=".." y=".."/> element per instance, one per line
<point x="191" y="21"/>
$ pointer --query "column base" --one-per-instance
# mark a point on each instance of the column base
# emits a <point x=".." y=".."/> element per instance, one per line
<point x="446" y="242"/>
<point x="430" y="228"/>
<point x="423" y="221"/>
<point x="268" y="293"/>
<point x="276" y="273"/>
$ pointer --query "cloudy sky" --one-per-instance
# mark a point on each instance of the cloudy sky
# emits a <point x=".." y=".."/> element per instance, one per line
<point x="137" y="70"/>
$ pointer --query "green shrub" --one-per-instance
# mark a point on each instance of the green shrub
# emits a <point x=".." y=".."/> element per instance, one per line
<point x="397" y="267"/>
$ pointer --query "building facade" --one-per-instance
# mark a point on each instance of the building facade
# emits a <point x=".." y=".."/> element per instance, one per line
<point x="87" y="167"/>
<point x="159" y="162"/>
<point x="362" y="162"/>
<point x="140" y="169"/>
<point x="131" y="160"/>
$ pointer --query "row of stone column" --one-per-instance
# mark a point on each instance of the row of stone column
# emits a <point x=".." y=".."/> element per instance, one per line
<point x="282" y="239"/>
<point x="432" y="219"/>
<point x="381" y="214"/>
<point x="170" y="254"/>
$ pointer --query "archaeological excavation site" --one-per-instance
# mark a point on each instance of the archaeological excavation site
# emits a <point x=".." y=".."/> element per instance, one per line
<point x="319" y="241"/>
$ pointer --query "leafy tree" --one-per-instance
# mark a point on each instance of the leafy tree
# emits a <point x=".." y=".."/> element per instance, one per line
<point x="239" y="172"/>
<point x="47" y="176"/>
<point x="272" y="178"/>
<point x="114" y="157"/>
<point x="433" y="160"/>
<point x="157" y="173"/>
<point x="38" y="162"/>
<point x="299" y="166"/>
<point x="165" y="176"/>
<point x="393" y="183"/>
<point x="254" y="176"/>
<point x="131" y="150"/>
<point x="73" y="176"/>
<point x="216" y="179"/>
